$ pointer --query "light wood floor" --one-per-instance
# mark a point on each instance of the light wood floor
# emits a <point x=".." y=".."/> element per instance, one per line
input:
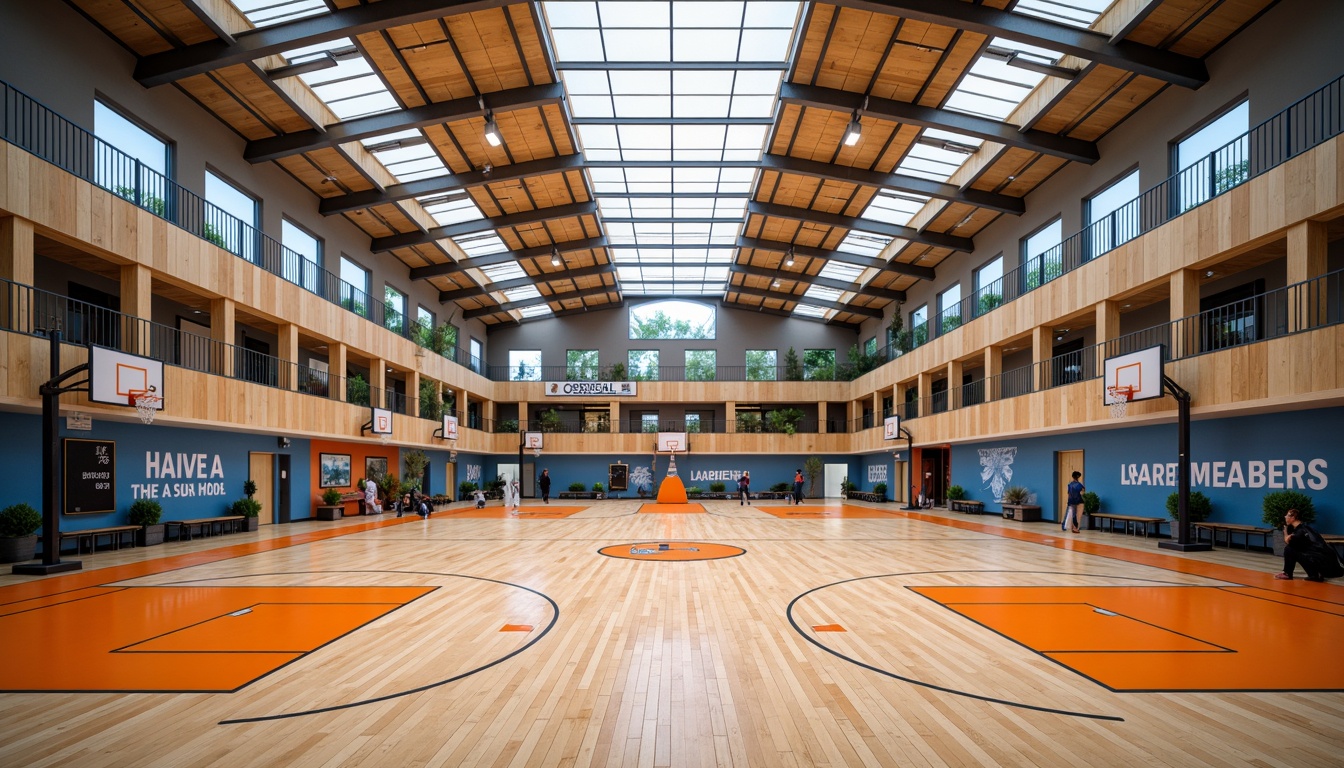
<point x="712" y="662"/>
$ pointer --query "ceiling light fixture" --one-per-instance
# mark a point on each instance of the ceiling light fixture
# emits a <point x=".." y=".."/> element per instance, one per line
<point x="555" y="257"/>
<point x="492" y="136"/>
<point x="788" y="258"/>
<point x="853" y="131"/>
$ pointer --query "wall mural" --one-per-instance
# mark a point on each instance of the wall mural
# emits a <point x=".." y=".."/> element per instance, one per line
<point x="996" y="469"/>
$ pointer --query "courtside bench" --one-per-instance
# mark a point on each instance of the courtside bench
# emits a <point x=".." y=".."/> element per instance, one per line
<point x="967" y="506"/>
<point x="1228" y="529"/>
<point x="90" y="536"/>
<point x="205" y="526"/>
<point x="1132" y="523"/>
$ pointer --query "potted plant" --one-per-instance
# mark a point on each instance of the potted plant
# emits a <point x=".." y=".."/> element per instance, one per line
<point x="248" y="508"/>
<point x="1091" y="506"/>
<point x="1199" y="507"/>
<point x="1017" y="505"/>
<point x="18" y="526"/>
<point x="598" y="488"/>
<point x="718" y="487"/>
<point x="955" y="493"/>
<point x="1276" y="504"/>
<point x="880" y="490"/>
<point x="331" y="507"/>
<point x="249" y="488"/>
<point x="465" y="489"/>
<point x="577" y="487"/>
<point x="846" y="488"/>
<point x="694" y="492"/>
<point x="146" y="513"/>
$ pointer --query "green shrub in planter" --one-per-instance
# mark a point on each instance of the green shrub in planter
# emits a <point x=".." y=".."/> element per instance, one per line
<point x="781" y="488"/>
<point x="577" y="487"/>
<point x="881" y="490"/>
<point x="1199" y="506"/>
<point x="955" y="493"/>
<point x="331" y="497"/>
<point x="1091" y="503"/>
<point x="1016" y="494"/>
<point x="19" y="520"/>
<point x="718" y="487"/>
<point x="247" y="507"/>
<point x="145" y="512"/>
<point x="1277" y="504"/>
<point x="598" y="487"/>
<point x="693" y="490"/>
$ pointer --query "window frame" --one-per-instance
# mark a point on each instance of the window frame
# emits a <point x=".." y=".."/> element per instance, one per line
<point x="810" y="370"/>
<point x="713" y="367"/>
<point x="475" y="354"/>
<point x="389" y="312"/>
<point x="945" y="322"/>
<point x="305" y="281"/>
<point x="169" y="156"/>
<point x="348" y="299"/>
<point x="1093" y="246"/>
<point x="581" y="372"/>
<point x="523" y="365"/>
<point x="1181" y="201"/>
<point x="982" y="305"/>
<point x="1046" y="270"/>
<point x="773" y="367"/>
<point x="636" y="372"/>
<point x="247" y="241"/>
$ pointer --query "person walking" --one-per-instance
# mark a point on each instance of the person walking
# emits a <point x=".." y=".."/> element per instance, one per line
<point x="544" y="483"/>
<point x="1074" y="508"/>
<point x="744" y="489"/>
<point x="511" y="493"/>
<point x="371" y="498"/>
<point x="797" y="486"/>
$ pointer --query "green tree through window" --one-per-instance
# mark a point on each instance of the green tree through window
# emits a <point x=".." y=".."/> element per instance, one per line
<point x="700" y="364"/>
<point x="761" y="365"/>
<point x="581" y="365"/>
<point x="672" y="320"/>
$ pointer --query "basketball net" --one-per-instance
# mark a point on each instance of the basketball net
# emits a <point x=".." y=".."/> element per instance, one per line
<point x="1119" y="400"/>
<point x="536" y="452"/>
<point x="385" y="438"/>
<point x="147" y="404"/>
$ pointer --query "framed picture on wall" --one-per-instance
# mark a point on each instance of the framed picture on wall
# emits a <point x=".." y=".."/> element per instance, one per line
<point x="333" y="470"/>
<point x="375" y="466"/>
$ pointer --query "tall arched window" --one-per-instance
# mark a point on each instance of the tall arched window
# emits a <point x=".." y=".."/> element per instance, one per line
<point x="672" y="320"/>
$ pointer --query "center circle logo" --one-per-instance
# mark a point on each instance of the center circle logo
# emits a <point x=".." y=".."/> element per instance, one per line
<point x="671" y="551"/>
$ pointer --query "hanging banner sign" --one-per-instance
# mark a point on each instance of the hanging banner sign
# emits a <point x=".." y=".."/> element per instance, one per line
<point x="590" y="388"/>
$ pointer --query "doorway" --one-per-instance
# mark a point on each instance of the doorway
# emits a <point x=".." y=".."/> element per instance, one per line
<point x="283" y="497"/>
<point x="450" y="479"/>
<point x="1066" y="463"/>
<point x="261" y="470"/>
<point x="832" y="480"/>
<point x="934" y="467"/>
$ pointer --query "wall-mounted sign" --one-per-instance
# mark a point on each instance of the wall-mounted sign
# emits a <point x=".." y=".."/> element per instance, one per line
<point x="590" y="389"/>
<point x="90" y="476"/>
<point x="82" y="422"/>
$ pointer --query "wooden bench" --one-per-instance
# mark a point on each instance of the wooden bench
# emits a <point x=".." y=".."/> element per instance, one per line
<point x="90" y="535"/>
<point x="1227" y="529"/>
<point x="872" y="498"/>
<point x="967" y="506"/>
<point x="207" y="526"/>
<point x="1132" y="523"/>
<point x="1336" y="541"/>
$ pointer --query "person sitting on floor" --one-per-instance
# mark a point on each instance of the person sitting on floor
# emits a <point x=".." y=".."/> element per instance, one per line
<point x="1302" y="544"/>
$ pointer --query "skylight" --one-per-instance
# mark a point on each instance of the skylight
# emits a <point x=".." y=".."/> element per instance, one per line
<point x="836" y="270"/>
<point x="507" y="271"/>
<point x="454" y="208"/>
<point x="864" y="243"/>
<point x="1075" y="13"/>
<point x="481" y="244"/>
<point x="808" y="310"/>
<point x="408" y="155"/>
<point x="264" y="13"/>
<point x="350" y="88"/>
<point x="535" y="310"/>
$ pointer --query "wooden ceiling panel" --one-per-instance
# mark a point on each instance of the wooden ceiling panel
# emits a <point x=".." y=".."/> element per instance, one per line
<point x="381" y="54"/>
<point x="256" y="94"/>
<point x="1092" y="91"/>
<point x="143" y="35"/>
<point x="225" y="105"/>
<point x="486" y="44"/>
<point x="914" y="57"/>
<point x="858" y="39"/>
<point x="1195" y="27"/>
<point x="432" y="60"/>
<point x="814" y="39"/>
<point x="965" y="47"/>
<point x="896" y="147"/>
<point x="470" y="136"/>
<point x="1132" y="94"/>
<point x="448" y="149"/>
<point x="331" y="160"/>
<point x="1000" y="175"/>
<point x="527" y="134"/>
<point x="529" y="40"/>
<point x="554" y="117"/>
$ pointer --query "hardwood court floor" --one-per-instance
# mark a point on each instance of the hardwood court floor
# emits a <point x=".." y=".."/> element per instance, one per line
<point x="897" y="639"/>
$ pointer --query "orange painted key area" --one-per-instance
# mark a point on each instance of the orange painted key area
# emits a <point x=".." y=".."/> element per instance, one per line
<point x="1166" y="638"/>
<point x="544" y="512"/>
<point x="817" y="512"/>
<point x="206" y="639"/>
<point x="662" y="508"/>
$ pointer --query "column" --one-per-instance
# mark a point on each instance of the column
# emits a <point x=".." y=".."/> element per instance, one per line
<point x="289" y="352"/>
<point x="993" y="368"/>
<point x="524" y="422"/>
<point x="615" y="418"/>
<point x="729" y="416"/>
<point x="1108" y="329"/>
<point x="137" y="305"/>
<point x="378" y="382"/>
<point x="1307" y="258"/>
<point x="925" y="389"/>
<point x="1185" y="337"/>
<point x="16" y="264"/>
<point x="413" y="393"/>
<point x="954" y="393"/>
<point x="1042" y="349"/>
<point x="821" y="417"/>
<point x="898" y="399"/>
<point x="877" y="408"/>
<point x="336" y="365"/>
<point x="222" y="330"/>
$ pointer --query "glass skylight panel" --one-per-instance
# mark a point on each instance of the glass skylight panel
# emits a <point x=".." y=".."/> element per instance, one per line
<point x="535" y="311"/>
<point x="864" y="243"/>
<point x="408" y="155"/>
<point x="264" y="13"/>
<point x="481" y="244"/>
<point x="836" y="270"/>
<point x="496" y="273"/>
<point x="449" y="209"/>
<point x="807" y="310"/>
<point x="1076" y="13"/>
<point x="992" y="88"/>
<point x="894" y="208"/>
<point x="350" y="88"/>
<point x="521" y="294"/>
<point x="821" y="293"/>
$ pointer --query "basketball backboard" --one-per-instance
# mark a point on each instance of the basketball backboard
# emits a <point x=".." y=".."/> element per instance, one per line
<point x="116" y="378"/>
<point x="532" y="441"/>
<point x="449" y="427"/>
<point x="672" y="442"/>
<point x="1141" y="371"/>
<point x="891" y="428"/>
<point x="382" y="421"/>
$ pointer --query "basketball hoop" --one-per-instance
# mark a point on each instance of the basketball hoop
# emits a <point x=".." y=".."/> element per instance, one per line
<point x="1120" y="397"/>
<point x="385" y="438"/>
<point x="536" y="452"/>
<point x="147" y="404"/>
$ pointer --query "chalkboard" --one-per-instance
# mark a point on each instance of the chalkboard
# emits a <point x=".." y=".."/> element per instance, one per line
<point x="90" y="476"/>
<point x="616" y="476"/>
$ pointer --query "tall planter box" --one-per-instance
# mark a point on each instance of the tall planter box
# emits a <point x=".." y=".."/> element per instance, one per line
<point x="149" y="535"/>
<point x="1026" y="513"/>
<point x="18" y="550"/>
<point x="335" y="512"/>
<point x="253" y="523"/>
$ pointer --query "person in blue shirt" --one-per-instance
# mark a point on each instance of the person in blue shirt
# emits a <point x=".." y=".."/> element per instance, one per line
<point x="1075" y="504"/>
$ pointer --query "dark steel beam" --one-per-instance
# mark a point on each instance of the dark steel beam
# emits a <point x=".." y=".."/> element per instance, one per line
<point x="408" y="239"/>
<point x="894" y="181"/>
<point x="867" y="225"/>
<point x="824" y="282"/>
<point x="848" y="102"/>
<point x="449" y="268"/>
<point x="170" y="66"/>
<point x="800" y="299"/>
<point x="1130" y="57"/>
<point x="450" y="182"/>
<point x="858" y="260"/>
<point x="567" y="312"/>
<point x="276" y="147"/>
<point x="523" y="282"/>
<point x="539" y="300"/>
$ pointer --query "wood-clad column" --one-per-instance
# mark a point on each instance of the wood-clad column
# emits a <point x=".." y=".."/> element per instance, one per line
<point x="137" y="302"/>
<point x="925" y="389"/>
<point x="954" y="384"/>
<point x="615" y="407"/>
<point x="289" y="352"/>
<point x="729" y="417"/>
<point x="16" y="265"/>
<point x="821" y="417"/>
<point x="1307" y="258"/>
<point x="378" y="382"/>
<point x="223" y="330"/>
<point x="413" y="393"/>
<point x="1042" y="350"/>
<point x="1108" y="329"/>
<point x="524" y="418"/>
<point x="1184" y="303"/>
<point x="993" y="367"/>
<point x="877" y="407"/>
<point x="337" y="366"/>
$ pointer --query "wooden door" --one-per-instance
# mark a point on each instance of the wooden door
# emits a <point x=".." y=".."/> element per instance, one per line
<point x="261" y="470"/>
<point x="450" y="479"/>
<point x="1066" y="463"/>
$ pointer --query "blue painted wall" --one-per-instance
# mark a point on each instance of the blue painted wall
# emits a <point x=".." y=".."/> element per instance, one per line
<point x="143" y="469"/>
<point x="1234" y="462"/>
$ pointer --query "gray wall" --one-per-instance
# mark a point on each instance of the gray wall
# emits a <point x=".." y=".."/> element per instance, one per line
<point x="59" y="58"/>
<point x="1287" y="53"/>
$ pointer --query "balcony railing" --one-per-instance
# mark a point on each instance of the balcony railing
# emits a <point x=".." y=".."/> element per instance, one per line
<point x="1305" y="306"/>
